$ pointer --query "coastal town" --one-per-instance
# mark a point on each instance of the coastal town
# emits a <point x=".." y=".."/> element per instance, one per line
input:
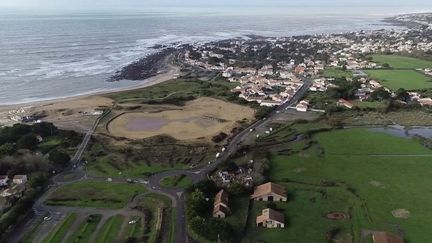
<point x="251" y="139"/>
<point x="271" y="70"/>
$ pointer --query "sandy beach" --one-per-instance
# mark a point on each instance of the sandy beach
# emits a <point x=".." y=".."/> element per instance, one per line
<point x="78" y="112"/>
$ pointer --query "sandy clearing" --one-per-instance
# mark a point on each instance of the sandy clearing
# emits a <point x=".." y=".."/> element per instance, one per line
<point x="71" y="112"/>
<point x="203" y="117"/>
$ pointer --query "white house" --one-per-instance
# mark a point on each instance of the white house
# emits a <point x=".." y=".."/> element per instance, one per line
<point x="19" y="179"/>
<point x="4" y="180"/>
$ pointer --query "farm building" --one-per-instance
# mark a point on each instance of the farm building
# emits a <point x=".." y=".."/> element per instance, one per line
<point x="270" y="219"/>
<point x="221" y="208"/>
<point x="385" y="237"/>
<point x="269" y="192"/>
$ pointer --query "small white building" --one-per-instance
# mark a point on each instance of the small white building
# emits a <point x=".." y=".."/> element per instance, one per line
<point x="302" y="106"/>
<point x="4" y="180"/>
<point x="19" y="179"/>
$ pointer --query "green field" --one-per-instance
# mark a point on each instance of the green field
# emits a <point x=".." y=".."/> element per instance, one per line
<point x="103" y="167"/>
<point x="153" y="202"/>
<point x="49" y="144"/>
<point x="134" y="230"/>
<point x="181" y="181"/>
<point x="144" y="158"/>
<point x="337" y="73"/>
<point x="58" y="233"/>
<point x="362" y="174"/>
<point x="396" y="79"/>
<point x="85" y="230"/>
<point x="110" y="230"/>
<point x="95" y="194"/>
<point x="402" y="62"/>
<point x="177" y="92"/>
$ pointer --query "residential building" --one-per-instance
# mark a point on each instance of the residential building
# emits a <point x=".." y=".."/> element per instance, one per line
<point x="4" y="180"/>
<point x="302" y="106"/>
<point x="270" y="218"/>
<point x="345" y="103"/>
<point x="385" y="237"/>
<point x="19" y="179"/>
<point x="221" y="209"/>
<point x="269" y="192"/>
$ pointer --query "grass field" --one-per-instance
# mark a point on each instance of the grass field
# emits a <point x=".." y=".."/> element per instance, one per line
<point x="402" y="62"/>
<point x="396" y="79"/>
<point x="110" y="230"/>
<point x="134" y="230"/>
<point x="177" y="181"/>
<point x="153" y="202"/>
<point x="370" y="176"/>
<point x="176" y="90"/>
<point x="95" y="194"/>
<point x="337" y="73"/>
<point x="49" y="144"/>
<point x="58" y="233"/>
<point x="85" y="230"/>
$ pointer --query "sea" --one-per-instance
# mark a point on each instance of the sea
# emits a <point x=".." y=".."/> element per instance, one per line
<point x="48" y="55"/>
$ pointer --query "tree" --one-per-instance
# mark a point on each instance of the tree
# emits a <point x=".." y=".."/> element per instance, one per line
<point x="380" y="94"/>
<point x="236" y="189"/>
<point x="7" y="149"/>
<point x="402" y="94"/>
<point x="228" y="166"/>
<point x="45" y="129"/>
<point x="28" y="141"/>
<point x="59" y="158"/>
<point x="17" y="131"/>
<point x="198" y="205"/>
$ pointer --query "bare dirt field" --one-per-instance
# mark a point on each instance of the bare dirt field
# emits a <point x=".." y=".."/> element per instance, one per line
<point x="200" y="118"/>
<point x="72" y="113"/>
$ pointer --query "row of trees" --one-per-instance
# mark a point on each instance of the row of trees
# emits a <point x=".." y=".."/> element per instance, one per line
<point x="199" y="207"/>
<point x="20" y="154"/>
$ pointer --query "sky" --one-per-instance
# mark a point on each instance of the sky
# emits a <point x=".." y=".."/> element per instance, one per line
<point x="144" y="4"/>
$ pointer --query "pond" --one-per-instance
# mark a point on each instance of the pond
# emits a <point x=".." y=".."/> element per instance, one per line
<point x="405" y="132"/>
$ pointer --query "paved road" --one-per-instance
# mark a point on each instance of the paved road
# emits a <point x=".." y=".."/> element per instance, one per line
<point x="177" y="195"/>
<point x="73" y="173"/>
<point x="197" y="175"/>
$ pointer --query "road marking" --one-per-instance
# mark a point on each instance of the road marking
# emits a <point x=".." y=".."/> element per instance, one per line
<point x="179" y="194"/>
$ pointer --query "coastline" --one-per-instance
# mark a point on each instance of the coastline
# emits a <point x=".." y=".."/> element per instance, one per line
<point x="169" y="72"/>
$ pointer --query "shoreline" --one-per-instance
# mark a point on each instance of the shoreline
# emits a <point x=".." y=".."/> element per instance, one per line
<point x="168" y="72"/>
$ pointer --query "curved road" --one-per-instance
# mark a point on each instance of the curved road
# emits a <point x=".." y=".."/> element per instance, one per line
<point x="177" y="195"/>
<point x="199" y="174"/>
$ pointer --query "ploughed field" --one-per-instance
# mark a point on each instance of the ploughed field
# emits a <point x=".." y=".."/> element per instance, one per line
<point x="402" y="73"/>
<point x="200" y="118"/>
<point x="373" y="181"/>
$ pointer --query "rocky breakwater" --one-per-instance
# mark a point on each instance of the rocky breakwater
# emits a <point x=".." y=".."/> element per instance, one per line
<point x="144" y="68"/>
